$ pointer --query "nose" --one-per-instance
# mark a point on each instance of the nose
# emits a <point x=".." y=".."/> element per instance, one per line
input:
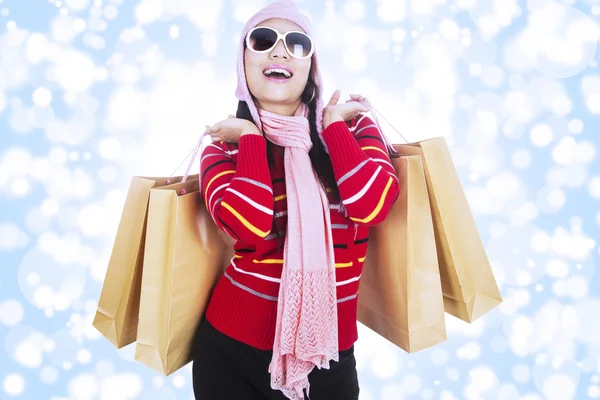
<point x="279" y="51"/>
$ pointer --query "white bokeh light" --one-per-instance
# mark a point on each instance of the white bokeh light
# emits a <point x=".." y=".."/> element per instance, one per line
<point x="13" y="385"/>
<point x="90" y="99"/>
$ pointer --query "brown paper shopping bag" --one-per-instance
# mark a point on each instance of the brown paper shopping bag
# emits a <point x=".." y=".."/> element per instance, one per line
<point x="468" y="283"/>
<point x="400" y="295"/>
<point x="183" y="259"/>
<point x="117" y="314"/>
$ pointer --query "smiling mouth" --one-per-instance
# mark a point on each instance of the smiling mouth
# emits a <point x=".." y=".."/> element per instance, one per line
<point x="277" y="73"/>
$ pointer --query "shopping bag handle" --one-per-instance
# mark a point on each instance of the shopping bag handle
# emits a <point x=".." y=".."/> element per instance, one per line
<point x="193" y="154"/>
<point x="374" y="112"/>
<point x="354" y="97"/>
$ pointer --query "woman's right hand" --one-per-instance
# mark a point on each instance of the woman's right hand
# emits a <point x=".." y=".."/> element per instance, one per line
<point x="231" y="129"/>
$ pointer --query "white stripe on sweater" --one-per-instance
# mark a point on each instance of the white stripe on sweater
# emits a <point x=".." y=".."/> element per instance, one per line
<point x="347" y="281"/>
<point x="364" y="190"/>
<point x="354" y="170"/>
<point x="215" y="191"/>
<point x="357" y="123"/>
<point x="255" y="183"/>
<point x="259" y="276"/>
<point x="250" y="201"/>
<point x="232" y="152"/>
<point x="381" y="160"/>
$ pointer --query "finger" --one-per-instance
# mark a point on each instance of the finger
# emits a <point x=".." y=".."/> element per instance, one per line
<point x="215" y="138"/>
<point x="335" y="97"/>
<point x="231" y="116"/>
<point x="358" y="97"/>
<point x="353" y="110"/>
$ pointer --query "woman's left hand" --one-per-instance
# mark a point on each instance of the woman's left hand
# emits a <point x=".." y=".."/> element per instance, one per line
<point x="334" y="112"/>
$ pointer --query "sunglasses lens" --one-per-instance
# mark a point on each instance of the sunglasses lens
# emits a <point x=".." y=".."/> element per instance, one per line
<point x="262" y="39"/>
<point x="298" y="44"/>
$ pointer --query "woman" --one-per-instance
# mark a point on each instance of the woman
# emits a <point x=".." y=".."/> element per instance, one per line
<point x="296" y="186"/>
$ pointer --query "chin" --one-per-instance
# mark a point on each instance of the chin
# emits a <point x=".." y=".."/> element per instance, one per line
<point x="278" y="100"/>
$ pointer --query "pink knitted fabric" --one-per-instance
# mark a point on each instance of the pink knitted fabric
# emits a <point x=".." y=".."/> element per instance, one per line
<point x="284" y="9"/>
<point x="306" y="332"/>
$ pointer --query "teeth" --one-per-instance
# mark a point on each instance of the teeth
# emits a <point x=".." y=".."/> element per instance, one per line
<point x="279" y="70"/>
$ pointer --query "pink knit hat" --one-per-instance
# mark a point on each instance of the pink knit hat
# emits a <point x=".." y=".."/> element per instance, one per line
<point x="284" y="9"/>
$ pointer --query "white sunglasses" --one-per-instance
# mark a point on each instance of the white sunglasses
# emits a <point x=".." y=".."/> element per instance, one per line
<point x="263" y="39"/>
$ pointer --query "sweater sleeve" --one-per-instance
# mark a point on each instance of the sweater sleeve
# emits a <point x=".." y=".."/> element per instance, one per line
<point x="363" y="170"/>
<point x="239" y="196"/>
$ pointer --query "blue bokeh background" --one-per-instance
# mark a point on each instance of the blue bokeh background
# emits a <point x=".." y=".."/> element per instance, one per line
<point x="95" y="91"/>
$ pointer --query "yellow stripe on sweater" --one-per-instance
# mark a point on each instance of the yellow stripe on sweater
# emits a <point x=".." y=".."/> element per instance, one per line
<point x="343" y="265"/>
<point x="268" y="261"/>
<point x="379" y="206"/>
<point x="244" y="221"/>
<point x="373" y="148"/>
<point x="283" y="196"/>
<point x="216" y="177"/>
<point x="362" y="259"/>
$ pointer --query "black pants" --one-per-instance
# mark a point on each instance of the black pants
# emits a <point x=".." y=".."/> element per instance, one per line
<point x="226" y="369"/>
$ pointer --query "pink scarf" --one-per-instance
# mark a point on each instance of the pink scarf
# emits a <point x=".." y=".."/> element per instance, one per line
<point x="306" y="333"/>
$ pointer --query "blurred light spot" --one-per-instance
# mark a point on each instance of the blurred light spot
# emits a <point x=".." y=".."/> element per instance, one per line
<point x="11" y="312"/>
<point x="469" y="351"/>
<point x="36" y="48"/>
<point x="74" y="71"/>
<point x="101" y="74"/>
<point x="14" y="384"/>
<point x="104" y="368"/>
<point x="559" y="387"/>
<point x="411" y="384"/>
<point x="86" y="387"/>
<point x="481" y="381"/>
<point x="385" y="365"/>
<point x="110" y="12"/>
<point x="110" y="148"/>
<point x="398" y="34"/>
<point x="20" y="187"/>
<point x="83" y="356"/>
<point x="158" y="381"/>
<point x="354" y="60"/>
<point x="521" y="373"/>
<point x="354" y="10"/>
<point x="439" y="356"/>
<point x="178" y="381"/>
<point x="391" y="10"/>
<point x="550" y="199"/>
<point x="521" y="158"/>
<point x="594" y="187"/>
<point x="210" y="44"/>
<point x="25" y="346"/>
<point x="541" y="135"/>
<point x="392" y="391"/>
<point x="42" y="97"/>
<point x="449" y="29"/>
<point x="12" y="237"/>
<point x="475" y="69"/>
<point x="492" y="76"/>
<point x="174" y="31"/>
<point x="62" y="29"/>
<point x="77" y="5"/>
<point x="557" y="268"/>
<point x="575" y="126"/>
<point x="49" y="375"/>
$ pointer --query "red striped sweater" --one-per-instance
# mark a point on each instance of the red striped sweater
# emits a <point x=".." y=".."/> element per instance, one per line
<point x="245" y="197"/>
